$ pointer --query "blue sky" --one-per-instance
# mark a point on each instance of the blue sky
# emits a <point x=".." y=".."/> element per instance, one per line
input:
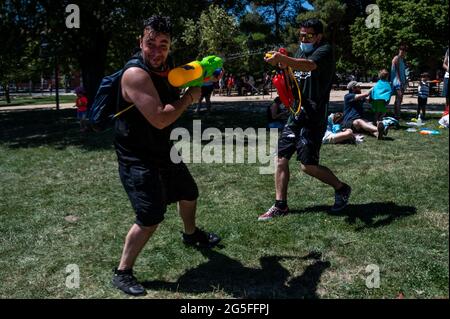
<point x="307" y="5"/>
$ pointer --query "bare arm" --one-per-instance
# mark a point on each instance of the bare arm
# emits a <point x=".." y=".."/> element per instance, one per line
<point x="397" y="68"/>
<point x="362" y="96"/>
<point x="297" y="64"/>
<point x="138" y="88"/>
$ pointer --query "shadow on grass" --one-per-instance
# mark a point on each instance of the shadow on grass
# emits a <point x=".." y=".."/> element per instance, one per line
<point x="272" y="280"/>
<point x="373" y="215"/>
<point x="59" y="129"/>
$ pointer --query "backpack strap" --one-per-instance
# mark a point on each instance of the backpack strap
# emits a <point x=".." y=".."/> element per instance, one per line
<point x="133" y="62"/>
<point x="136" y="61"/>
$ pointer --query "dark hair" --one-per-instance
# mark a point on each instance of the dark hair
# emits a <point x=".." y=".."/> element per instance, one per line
<point x="277" y="100"/>
<point x="158" y="24"/>
<point x="383" y="74"/>
<point x="337" y="118"/>
<point x="403" y="47"/>
<point x="314" y="23"/>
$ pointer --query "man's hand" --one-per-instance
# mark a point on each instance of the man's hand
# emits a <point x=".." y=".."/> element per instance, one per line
<point x="195" y="93"/>
<point x="272" y="57"/>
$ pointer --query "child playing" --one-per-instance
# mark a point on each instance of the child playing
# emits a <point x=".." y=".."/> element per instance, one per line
<point x="380" y="95"/>
<point x="81" y="105"/>
<point x="423" y="92"/>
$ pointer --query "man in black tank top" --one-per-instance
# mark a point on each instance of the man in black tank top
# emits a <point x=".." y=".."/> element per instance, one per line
<point x="142" y="143"/>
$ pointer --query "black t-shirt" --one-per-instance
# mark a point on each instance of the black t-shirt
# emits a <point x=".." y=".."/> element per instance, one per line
<point x="136" y="140"/>
<point x="315" y="87"/>
<point x="353" y="109"/>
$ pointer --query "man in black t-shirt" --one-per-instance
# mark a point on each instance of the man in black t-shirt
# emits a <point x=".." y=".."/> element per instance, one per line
<point x="142" y="142"/>
<point x="314" y="70"/>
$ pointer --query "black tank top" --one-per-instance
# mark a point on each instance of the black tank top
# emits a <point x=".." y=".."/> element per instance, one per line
<point x="136" y="140"/>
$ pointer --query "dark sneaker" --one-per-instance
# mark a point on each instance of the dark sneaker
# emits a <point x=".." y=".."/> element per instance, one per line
<point x="380" y="128"/>
<point x="201" y="239"/>
<point x="385" y="130"/>
<point x="341" y="198"/>
<point x="273" y="212"/>
<point x="125" y="281"/>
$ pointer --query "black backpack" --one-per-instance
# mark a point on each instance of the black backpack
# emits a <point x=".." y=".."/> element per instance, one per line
<point x="105" y="107"/>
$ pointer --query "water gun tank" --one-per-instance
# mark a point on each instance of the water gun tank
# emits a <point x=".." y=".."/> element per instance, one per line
<point x="185" y="74"/>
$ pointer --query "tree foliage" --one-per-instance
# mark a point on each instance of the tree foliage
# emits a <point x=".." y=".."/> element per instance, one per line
<point x="238" y="30"/>
<point x="422" y="25"/>
<point x="213" y="33"/>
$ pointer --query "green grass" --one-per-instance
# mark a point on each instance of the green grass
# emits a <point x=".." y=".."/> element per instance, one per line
<point x="398" y="218"/>
<point x="28" y="100"/>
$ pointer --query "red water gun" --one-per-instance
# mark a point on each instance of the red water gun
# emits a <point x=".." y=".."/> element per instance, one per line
<point x="281" y="83"/>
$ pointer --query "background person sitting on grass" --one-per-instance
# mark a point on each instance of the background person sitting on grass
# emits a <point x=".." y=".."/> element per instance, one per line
<point x="353" y="112"/>
<point x="335" y="134"/>
<point x="276" y="114"/>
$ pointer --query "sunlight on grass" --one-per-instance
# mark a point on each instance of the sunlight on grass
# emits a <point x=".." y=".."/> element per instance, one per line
<point x="62" y="203"/>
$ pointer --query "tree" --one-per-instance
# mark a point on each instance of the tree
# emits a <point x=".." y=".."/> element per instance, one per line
<point x="281" y="11"/>
<point x="213" y="33"/>
<point x="422" y="25"/>
<point x="15" y="43"/>
<point x="330" y="12"/>
<point x="107" y="35"/>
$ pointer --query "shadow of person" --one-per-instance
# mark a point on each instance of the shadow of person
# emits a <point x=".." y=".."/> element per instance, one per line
<point x="272" y="280"/>
<point x="373" y="215"/>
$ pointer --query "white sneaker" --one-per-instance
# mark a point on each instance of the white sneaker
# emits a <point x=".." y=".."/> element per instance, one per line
<point x="359" y="138"/>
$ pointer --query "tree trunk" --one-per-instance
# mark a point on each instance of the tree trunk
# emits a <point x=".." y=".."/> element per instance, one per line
<point x="93" y="62"/>
<point x="277" y="21"/>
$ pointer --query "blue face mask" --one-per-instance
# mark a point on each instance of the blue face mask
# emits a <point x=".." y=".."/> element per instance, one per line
<point x="306" y="47"/>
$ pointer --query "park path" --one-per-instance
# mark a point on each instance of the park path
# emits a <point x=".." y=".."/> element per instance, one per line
<point x="336" y="97"/>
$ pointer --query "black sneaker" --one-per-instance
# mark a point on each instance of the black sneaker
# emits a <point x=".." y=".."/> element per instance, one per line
<point x="386" y="130"/>
<point x="380" y="128"/>
<point x="125" y="281"/>
<point x="341" y="198"/>
<point x="201" y="239"/>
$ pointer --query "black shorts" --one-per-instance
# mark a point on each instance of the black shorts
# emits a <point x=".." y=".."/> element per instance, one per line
<point x="421" y="102"/>
<point x="306" y="141"/>
<point x="349" y="124"/>
<point x="151" y="189"/>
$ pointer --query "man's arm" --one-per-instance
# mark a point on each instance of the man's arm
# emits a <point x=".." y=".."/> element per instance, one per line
<point x="304" y="65"/>
<point x="362" y="96"/>
<point x="397" y="68"/>
<point x="138" y="88"/>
